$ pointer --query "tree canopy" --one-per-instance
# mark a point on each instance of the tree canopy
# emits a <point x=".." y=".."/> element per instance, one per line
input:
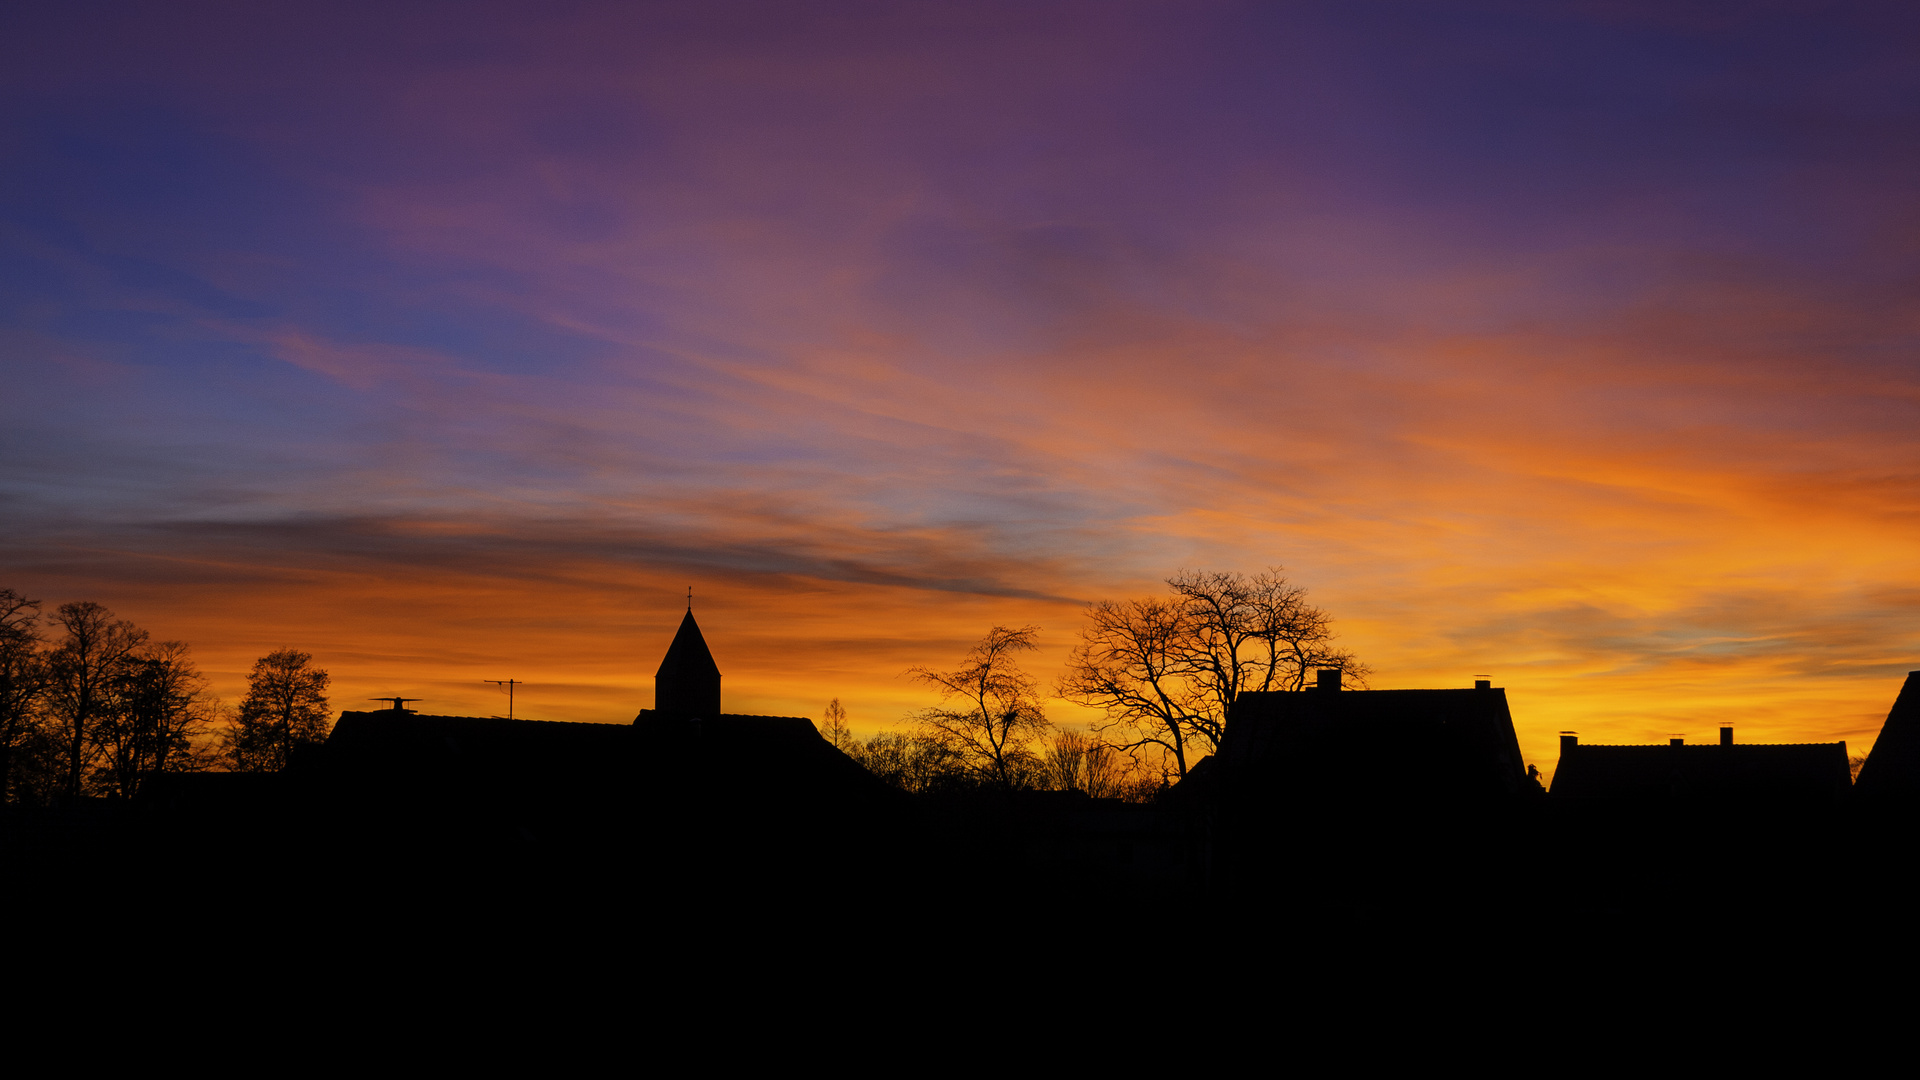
<point x="160" y="709"/>
<point x="84" y="673"/>
<point x="1165" y="669"/>
<point x="285" y="707"/>
<point x="999" y="711"/>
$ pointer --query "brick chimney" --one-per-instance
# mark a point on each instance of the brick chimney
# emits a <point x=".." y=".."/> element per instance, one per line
<point x="1328" y="679"/>
<point x="1726" y="736"/>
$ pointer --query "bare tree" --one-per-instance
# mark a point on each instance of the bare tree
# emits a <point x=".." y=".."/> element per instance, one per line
<point x="1000" y="711"/>
<point x="1256" y="633"/>
<point x="1065" y="761"/>
<point x="1131" y="662"/>
<point x="160" y="709"/>
<point x="916" y="763"/>
<point x="834" y="729"/>
<point x="83" y="673"/>
<point x="1076" y="761"/>
<point x="1103" y="770"/>
<point x="23" y="679"/>
<point x="285" y="707"/>
<point x="1166" y="669"/>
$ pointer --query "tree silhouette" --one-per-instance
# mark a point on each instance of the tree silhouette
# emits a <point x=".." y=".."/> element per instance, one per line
<point x="834" y="729"/>
<point x="23" y="679"/>
<point x="1078" y="761"/>
<point x="918" y="763"/>
<point x="159" y="707"/>
<point x="285" y="707"/>
<point x="1001" y="711"/>
<point x="84" y="671"/>
<point x="1166" y="669"/>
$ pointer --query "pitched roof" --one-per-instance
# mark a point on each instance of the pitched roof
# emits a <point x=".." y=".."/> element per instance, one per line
<point x="390" y="728"/>
<point x="1318" y="744"/>
<point x="688" y="656"/>
<point x="778" y="756"/>
<point x="1742" y="771"/>
<point x="414" y="748"/>
<point x="1893" y="766"/>
<point x="743" y="763"/>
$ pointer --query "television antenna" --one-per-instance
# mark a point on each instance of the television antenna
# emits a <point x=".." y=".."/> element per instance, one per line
<point x="509" y="684"/>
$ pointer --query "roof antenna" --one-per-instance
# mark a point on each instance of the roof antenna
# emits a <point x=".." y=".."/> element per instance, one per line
<point x="508" y="684"/>
<point x="689" y="598"/>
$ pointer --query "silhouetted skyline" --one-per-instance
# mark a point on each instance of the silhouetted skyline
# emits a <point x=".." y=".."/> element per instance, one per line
<point x="1562" y="346"/>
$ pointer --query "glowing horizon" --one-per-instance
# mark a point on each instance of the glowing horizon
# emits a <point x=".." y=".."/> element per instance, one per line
<point x="1572" y="349"/>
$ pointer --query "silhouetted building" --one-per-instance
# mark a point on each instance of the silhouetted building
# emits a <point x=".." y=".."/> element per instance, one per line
<point x="485" y="758"/>
<point x="677" y="774"/>
<point x="686" y="706"/>
<point x="1721" y="773"/>
<point x="1892" y="771"/>
<point x="1358" y="794"/>
<point x="688" y="682"/>
<point x="1373" y="745"/>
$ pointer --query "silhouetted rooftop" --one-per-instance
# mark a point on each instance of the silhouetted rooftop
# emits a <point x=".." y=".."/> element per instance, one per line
<point x="390" y="730"/>
<point x="688" y="681"/>
<point x="1387" y="744"/>
<point x="772" y="753"/>
<point x="1893" y="766"/>
<point x="688" y="654"/>
<point x="1702" y="771"/>
<point x="749" y="763"/>
<point x="794" y="725"/>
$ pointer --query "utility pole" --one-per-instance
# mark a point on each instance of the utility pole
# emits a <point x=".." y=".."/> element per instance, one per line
<point x="509" y="684"/>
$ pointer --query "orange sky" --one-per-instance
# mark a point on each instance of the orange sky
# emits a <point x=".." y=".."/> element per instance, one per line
<point x="1575" y="350"/>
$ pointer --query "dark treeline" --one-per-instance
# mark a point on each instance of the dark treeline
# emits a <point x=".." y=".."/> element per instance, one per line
<point x="923" y="763"/>
<point x="92" y="706"/>
<point x="991" y="733"/>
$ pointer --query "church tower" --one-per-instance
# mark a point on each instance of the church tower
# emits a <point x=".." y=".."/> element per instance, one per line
<point x="688" y="682"/>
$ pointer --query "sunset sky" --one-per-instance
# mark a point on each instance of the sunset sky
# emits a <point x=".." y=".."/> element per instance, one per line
<point x="1569" y="345"/>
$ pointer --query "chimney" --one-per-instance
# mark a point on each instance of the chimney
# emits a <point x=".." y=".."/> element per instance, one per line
<point x="1568" y="740"/>
<point x="1677" y="741"/>
<point x="1329" y="679"/>
<point x="1483" y="684"/>
<point x="1726" y="736"/>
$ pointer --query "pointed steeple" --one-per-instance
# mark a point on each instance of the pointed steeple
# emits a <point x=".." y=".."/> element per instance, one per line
<point x="688" y="682"/>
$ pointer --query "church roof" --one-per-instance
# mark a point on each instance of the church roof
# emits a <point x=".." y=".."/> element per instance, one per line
<point x="388" y="728"/>
<point x="688" y="656"/>
<point x="476" y="766"/>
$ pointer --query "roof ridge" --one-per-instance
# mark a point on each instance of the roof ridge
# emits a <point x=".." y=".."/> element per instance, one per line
<point x="1698" y="745"/>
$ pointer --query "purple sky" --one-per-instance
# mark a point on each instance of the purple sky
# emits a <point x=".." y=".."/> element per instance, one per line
<point x="1570" y="344"/>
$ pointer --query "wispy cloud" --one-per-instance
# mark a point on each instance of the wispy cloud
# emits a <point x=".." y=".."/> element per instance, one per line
<point x="1573" y="349"/>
